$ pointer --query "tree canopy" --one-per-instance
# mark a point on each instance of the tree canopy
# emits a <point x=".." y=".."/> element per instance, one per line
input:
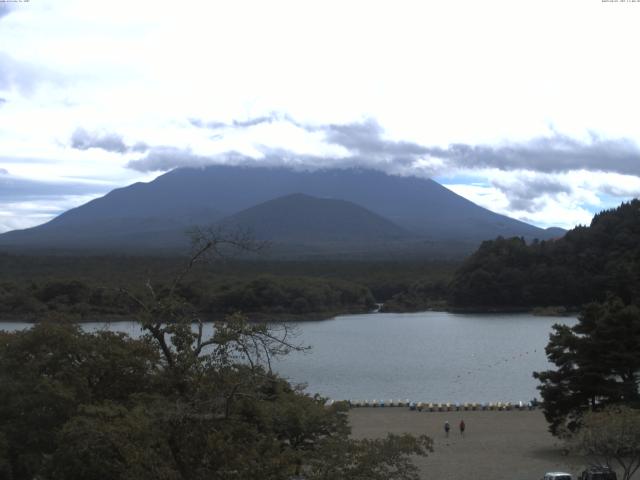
<point x="583" y="266"/>
<point x="174" y="404"/>
<point x="598" y="363"/>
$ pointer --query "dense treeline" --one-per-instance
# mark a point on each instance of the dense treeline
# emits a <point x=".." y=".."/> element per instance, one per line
<point x="262" y="295"/>
<point x="585" y="265"/>
<point x="37" y="287"/>
<point x="271" y="294"/>
<point x="419" y="296"/>
<point x="384" y="278"/>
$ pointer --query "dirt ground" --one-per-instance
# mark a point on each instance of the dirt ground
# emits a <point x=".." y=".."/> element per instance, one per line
<point x="498" y="445"/>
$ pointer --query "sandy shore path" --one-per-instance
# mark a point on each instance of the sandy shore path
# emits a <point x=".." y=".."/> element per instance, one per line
<point x="508" y="445"/>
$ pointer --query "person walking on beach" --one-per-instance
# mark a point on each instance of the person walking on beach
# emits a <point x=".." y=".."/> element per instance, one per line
<point x="462" y="427"/>
<point x="447" y="427"/>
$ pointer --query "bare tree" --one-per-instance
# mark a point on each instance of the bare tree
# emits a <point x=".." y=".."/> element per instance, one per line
<point x="178" y="328"/>
<point x="610" y="437"/>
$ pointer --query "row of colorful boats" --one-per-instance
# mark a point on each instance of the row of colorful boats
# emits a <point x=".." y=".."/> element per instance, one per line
<point x="443" y="407"/>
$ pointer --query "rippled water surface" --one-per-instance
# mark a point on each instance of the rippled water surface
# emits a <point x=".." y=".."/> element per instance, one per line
<point x="429" y="356"/>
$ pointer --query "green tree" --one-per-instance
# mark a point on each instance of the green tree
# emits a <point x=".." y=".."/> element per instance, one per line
<point x="176" y="404"/>
<point x="598" y="363"/>
<point x="48" y="372"/>
<point x="585" y="265"/>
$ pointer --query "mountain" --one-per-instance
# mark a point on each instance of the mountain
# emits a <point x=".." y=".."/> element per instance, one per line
<point x="554" y="232"/>
<point x="155" y="214"/>
<point x="300" y="218"/>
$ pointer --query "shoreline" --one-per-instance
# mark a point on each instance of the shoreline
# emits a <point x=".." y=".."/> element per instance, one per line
<point x="260" y="317"/>
<point x="498" y="445"/>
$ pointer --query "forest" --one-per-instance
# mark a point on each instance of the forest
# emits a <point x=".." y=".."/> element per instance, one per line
<point x="506" y="274"/>
<point x="587" y="264"/>
<point x="38" y="287"/>
<point x="176" y="403"/>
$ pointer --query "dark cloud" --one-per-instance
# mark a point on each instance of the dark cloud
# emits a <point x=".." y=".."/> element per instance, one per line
<point x="4" y="171"/>
<point x="15" y="189"/>
<point x="553" y="154"/>
<point x="254" y="121"/>
<point x="196" y="122"/>
<point x="167" y="158"/>
<point x="139" y="147"/>
<point x="525" y="193"/>
<point x="623" y="191"/>
<point x="83" y="140"/>
<point x="111" y="142"/>
<point x="366" y="146"/>
<point x="557" y="153"/>
<point x="363" y="140"/>
<point x="251" y="122"/>
<point x="366" y="138"/>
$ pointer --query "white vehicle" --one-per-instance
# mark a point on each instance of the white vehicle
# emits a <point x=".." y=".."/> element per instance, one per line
<point x="557" y="476"/>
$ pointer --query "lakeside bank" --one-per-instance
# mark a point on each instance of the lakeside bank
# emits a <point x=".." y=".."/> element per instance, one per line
<point x="498" y="445"/>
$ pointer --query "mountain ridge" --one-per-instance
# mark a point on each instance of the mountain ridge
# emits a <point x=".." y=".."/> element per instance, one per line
<point x="302" y="218"/>
<point x="157" y="213"/>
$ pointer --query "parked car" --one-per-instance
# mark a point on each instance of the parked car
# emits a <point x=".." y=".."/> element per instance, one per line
<point x="557" y="476"/>
<point x="598" y="473"/>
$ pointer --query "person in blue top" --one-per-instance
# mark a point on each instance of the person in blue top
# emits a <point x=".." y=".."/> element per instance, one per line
<point x="447" y="427"/>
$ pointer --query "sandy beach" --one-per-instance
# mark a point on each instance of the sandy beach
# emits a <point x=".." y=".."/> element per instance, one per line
<point x="498" y="445"/>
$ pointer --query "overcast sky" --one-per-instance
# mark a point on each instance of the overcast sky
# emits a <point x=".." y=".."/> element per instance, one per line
<point x="529" y="108"/>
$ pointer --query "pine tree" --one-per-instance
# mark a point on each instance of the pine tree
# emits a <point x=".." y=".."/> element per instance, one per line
<point x="598" y="363"/>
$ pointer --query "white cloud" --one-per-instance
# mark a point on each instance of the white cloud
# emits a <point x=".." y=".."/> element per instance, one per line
<point x="562" y="200"/>
<point x="559" y="211"/>
<point x="430" y="73"/>
<point x="25" y="214"/>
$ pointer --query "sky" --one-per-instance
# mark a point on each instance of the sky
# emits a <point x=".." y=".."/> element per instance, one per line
<point x="528" y="108"/>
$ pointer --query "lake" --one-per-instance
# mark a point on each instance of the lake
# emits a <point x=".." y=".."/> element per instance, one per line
<point x="427" y="356"/>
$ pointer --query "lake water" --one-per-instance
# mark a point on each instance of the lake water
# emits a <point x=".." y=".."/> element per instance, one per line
<point x="428" y="356"/>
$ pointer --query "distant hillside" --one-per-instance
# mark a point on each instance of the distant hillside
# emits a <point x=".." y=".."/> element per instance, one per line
<point x="585" y="265"/>
<point x="156" y="214"/>
<point x="300" y="218"/>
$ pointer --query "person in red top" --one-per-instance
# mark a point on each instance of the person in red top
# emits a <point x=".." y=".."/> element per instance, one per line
<point x="462" y="427"/>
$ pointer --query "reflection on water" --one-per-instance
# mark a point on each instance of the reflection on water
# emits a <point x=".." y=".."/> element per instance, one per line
<point x="429" y="356"/>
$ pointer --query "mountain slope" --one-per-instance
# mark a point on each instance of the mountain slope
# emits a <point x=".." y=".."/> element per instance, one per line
<point x="155" y="214"/>
<point x="300" y="218"/>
